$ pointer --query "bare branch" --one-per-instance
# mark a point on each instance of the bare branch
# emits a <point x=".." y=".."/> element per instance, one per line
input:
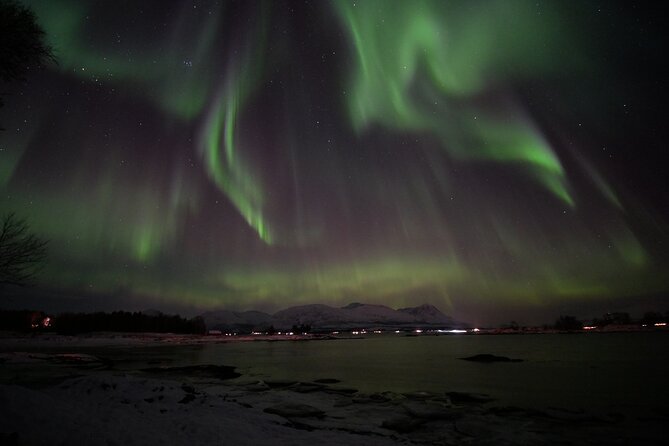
<point x="21" y="253"/>
<point x="23" y="41"/>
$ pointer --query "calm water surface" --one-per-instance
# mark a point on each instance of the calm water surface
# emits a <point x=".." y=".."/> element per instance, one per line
<point x="588" y="371"/>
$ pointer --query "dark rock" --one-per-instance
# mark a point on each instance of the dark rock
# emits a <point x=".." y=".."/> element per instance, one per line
<point x="199" y="371"/>
<point x="187" y="398"/>
<point x="420" y="395"/>
<point x="374" y="398"/>
<point x="363" y="399"/>
<point x="306" y="387"/>
<point x="403" y="424"/>
<point x="295" y="410"/>
<point x="367" y="399"/>
<point x="257" y="387"/>
<point x="327" y="381"/>
<point x="188" y="389"/>
<point x="340" y="390"/>
<point x="487" y="358"/>
<point x="465" y="397"/>
<point x="431" y="411"/>
<point x="379" y="397"/>
<point x="274" y="384"/>
<point x="390" y="396"/>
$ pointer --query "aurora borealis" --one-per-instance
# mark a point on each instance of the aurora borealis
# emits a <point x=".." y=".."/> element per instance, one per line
<point x="470" y="154"/>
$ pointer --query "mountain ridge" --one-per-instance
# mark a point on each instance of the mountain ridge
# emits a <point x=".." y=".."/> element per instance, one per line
<point x="321" y="316"/>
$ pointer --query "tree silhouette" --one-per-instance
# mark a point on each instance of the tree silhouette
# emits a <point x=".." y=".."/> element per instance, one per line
<point x="22" y="253"/>
<point x="22" y="47"/>
<point x="22" y="42"/>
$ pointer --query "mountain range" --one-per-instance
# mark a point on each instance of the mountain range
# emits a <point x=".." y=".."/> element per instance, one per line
<point x="319" y="316"/>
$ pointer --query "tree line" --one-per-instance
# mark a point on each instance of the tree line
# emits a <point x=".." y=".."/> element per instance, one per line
<point x="569" y="323"/>
<point x="117" y="321"/>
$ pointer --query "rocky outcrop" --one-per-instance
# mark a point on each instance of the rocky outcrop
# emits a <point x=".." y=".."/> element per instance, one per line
<point x="488" y="358"/>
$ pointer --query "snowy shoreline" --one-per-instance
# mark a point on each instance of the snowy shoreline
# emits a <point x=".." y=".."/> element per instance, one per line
<point x="68" y="397"/>
<point x="12" y="341"/>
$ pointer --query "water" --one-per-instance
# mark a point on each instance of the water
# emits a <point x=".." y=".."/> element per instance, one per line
<point x="589" y="371"/>
<point x="621" y="371"/>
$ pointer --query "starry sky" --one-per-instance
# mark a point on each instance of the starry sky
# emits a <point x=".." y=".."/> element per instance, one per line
<point x="477" y="155"/>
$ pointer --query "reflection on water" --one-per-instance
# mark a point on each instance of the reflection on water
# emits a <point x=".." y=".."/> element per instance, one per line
<point x="588" y="371"/>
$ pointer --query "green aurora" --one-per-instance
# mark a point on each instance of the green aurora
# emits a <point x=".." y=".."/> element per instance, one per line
<point x="266" y="154"/>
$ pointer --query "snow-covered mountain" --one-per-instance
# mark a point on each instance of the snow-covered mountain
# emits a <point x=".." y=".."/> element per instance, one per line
<point x="324" y="316"/>
<point x="428" y="314"/>
<point x="316" y="315"/>
<point x="377" y="314"/>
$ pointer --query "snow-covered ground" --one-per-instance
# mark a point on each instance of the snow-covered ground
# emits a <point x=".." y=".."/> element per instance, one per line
<point x="73" y="399"/>
<point x="15" y="342"/>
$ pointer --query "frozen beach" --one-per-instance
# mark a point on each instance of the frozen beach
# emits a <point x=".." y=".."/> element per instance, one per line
<point x="53" y="393"/>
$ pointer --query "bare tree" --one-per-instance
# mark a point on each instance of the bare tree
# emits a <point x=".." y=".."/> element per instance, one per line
<point x="22" y="47"/>
<point x="22" y="41"/>
<point x="22" y="253"/>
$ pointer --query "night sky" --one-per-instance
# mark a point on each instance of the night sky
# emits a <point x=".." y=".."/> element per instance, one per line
<point x="482" y="156"/>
